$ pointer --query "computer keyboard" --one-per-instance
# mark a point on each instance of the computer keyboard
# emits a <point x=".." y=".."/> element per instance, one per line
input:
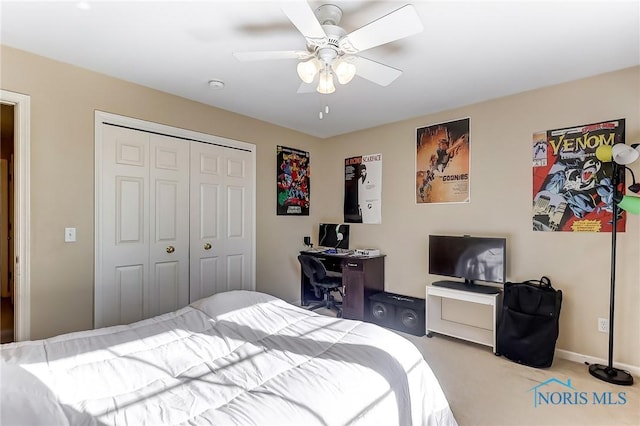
<point x="329" y="250"/>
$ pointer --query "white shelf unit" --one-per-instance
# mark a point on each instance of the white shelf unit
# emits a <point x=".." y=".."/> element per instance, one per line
<point x="435" y="323"/>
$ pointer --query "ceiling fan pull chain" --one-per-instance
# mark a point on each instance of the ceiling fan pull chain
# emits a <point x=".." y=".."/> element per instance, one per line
<point x="323" y="111"/>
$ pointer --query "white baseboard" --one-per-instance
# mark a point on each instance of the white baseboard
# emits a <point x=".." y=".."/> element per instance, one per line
<point x="576" y="357"/>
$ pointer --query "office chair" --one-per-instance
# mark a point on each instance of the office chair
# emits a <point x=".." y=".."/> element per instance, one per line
<point x="323" y="284"/>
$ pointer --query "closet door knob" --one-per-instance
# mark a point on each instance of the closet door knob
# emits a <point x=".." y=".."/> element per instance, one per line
<point x="207" y="246"/>
<point x="171" y="249"/>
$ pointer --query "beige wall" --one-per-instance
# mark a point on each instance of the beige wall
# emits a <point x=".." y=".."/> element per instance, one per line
<point x="63" y="101"/>
<point x="501" y="204"/>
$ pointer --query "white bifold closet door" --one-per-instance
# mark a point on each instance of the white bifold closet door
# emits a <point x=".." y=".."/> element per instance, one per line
<point x="145" y="219"/>
<point x="176" y="221"/>
<point x="221" y="218"/>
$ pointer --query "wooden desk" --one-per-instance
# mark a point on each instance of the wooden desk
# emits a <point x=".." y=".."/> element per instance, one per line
<point x="361" y="277"/>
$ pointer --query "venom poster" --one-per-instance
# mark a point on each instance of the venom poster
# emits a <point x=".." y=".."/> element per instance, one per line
<point x="572" y="189"/>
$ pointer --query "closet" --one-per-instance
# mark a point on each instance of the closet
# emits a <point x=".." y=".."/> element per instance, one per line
<point x="174" y="220"/>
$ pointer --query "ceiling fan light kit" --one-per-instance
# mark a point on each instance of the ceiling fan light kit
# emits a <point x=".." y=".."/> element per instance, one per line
<point x="325" y="82"/>
<point x="331" y="50"/>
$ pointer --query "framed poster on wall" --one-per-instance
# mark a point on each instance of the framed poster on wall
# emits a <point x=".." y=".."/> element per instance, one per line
<point x="442" y="163"/>
<point x="572" y="189"/>
<point x="363" y="189"/>
<point x="293" y="182"/>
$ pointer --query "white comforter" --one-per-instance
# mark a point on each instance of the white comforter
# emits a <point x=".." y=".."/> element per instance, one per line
<point x="234" y="358"/>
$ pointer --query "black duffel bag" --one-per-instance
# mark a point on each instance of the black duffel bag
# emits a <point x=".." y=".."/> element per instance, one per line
<point x="528" y="327"/>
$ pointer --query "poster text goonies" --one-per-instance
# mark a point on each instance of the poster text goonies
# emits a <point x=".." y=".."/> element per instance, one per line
<point x="442" y="163"/>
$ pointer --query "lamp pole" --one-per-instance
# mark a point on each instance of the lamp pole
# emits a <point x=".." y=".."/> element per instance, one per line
<point x="608" y="372"/>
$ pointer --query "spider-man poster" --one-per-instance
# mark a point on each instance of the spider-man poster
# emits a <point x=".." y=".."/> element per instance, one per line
<point x="292" y="182"/>
<point x="572" y="189"/>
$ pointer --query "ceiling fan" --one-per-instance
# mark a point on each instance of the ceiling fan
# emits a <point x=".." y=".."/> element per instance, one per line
<point x="331" y="51"/>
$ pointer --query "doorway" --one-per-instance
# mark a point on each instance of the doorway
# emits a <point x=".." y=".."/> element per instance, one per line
<point x="15" y="121"/>
<point x="7" y="113"/>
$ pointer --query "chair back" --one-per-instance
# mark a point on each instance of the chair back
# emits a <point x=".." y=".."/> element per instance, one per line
<point x="312" y="267"/>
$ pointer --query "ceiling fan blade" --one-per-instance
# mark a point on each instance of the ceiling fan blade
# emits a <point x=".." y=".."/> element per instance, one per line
<point x="274" y="54"/>
<point x="398" y="24"/>
<point x="374" y="71"/>
<point x="300" y="14"/>
<point x="307" y="87"/>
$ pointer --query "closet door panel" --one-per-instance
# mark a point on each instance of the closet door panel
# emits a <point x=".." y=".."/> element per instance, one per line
<point x="209" y="200"/>
<point x="128" y="291"/>
<point x="169" y="222"/>
<point x="124" y="209"/>
<point x="167" y="285"/>
<point x="130" y="209"/>
<point x="238" y="249"/>
<point x="207" y="213"/>
<point x="221" y="220"/>
<point x="236" y="207"/>
<point x="236" y="266"/>
<point x="207" y="277"/>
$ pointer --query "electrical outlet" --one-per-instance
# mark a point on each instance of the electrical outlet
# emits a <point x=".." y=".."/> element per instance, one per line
<point x="603" y="325"/>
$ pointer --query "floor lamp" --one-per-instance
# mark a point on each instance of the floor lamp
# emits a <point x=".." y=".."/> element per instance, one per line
<point x="619" y="155"/>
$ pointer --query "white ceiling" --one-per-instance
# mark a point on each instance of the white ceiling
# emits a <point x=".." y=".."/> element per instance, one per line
<point x="469" y="51"/>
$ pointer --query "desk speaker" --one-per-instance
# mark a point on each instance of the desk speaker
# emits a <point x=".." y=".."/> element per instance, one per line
<point x="402" y="313"/>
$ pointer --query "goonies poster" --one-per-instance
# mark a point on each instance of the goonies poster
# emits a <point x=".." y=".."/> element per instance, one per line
<point x="442" y="163"/>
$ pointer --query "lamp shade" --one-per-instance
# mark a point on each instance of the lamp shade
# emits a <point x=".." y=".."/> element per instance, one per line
<point x="624" y="154"/>
<point x="307" y="70"/>
<point x="325" y="84"/>
<point x="630" y="204"/>
<point x="603" y="153"/>
<point x="345" y="71"/>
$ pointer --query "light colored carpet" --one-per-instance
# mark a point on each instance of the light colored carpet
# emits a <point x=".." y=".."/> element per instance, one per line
<point x="486" y="390"/>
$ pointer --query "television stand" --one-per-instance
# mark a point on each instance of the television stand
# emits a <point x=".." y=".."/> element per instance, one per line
<point x="435" y="322"/>
<point x="461" y="285"/>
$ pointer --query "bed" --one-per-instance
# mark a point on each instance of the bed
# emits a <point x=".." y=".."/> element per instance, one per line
<point x="235" y="358"/>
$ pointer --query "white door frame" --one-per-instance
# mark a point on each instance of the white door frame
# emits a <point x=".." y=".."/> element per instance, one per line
<point x="134" y="123"/>
<point x="22" y="212"/>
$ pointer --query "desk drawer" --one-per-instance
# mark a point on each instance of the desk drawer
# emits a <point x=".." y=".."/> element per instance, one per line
<point x="353" y="265"/>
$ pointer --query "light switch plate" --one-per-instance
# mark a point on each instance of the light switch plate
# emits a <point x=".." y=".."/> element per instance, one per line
<point x="69" y="235"/>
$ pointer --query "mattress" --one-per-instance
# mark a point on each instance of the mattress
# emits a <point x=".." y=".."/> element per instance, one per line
<point x="235" y="358"/>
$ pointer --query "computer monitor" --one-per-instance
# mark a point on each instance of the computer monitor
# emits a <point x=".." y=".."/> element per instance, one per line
<point x="334" y="235"/>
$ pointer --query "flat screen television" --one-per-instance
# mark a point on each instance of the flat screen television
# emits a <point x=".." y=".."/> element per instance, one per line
<point x="470" y="258"/>
<point x="333" y="235"/>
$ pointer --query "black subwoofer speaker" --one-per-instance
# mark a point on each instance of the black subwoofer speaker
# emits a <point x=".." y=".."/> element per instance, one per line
<point x="402" y="313"/>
